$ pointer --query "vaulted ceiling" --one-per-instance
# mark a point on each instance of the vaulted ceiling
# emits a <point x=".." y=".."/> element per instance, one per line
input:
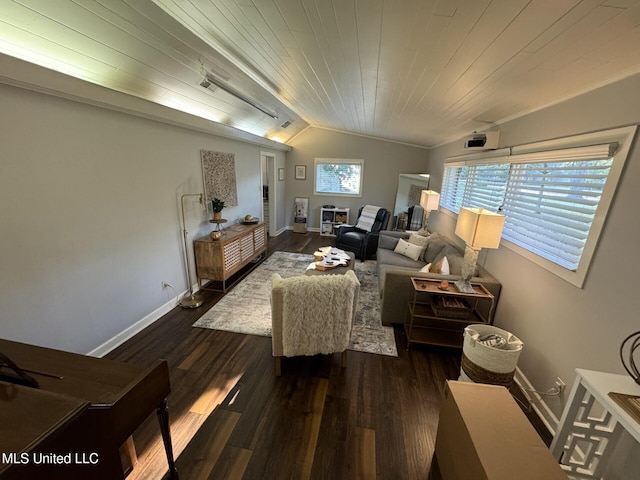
<point x="416" y="71"/>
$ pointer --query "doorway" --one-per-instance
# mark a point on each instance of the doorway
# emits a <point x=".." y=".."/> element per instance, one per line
<point x="268" y="168"/>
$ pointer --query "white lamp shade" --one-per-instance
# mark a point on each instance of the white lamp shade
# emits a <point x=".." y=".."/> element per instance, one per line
<point x="429" y="200"/>
<point x="480" y="228"/>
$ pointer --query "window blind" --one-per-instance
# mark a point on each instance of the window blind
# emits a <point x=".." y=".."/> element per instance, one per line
<point x="486" y="186"/>
<point x="550" y="207"/>
<point x="453" y="187"/>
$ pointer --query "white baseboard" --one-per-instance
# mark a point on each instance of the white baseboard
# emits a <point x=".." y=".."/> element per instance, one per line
<point x="137" y="327"/>
<point x="537" y="402"/>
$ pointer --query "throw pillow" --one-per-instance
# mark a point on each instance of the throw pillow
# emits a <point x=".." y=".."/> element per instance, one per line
<point x="444" y="270"/>
<point x="439" y="262"/>
<point x="421" y="241"/>
<point x="426" y="268"/>
<point x="441" y="266"/>
<point x="423" y="232"/>
<point x="408" y="249"/>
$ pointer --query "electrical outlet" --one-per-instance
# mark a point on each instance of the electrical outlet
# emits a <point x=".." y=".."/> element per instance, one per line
<point x="560" y="385"/>
<point x="165" y="285"/>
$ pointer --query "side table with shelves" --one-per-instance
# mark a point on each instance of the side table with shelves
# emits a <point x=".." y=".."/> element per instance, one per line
<point x="437" y="316"/>
<point x="331" y="218"/>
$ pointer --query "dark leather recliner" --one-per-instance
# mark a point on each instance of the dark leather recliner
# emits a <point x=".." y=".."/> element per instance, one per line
<point x="362" y="243"/>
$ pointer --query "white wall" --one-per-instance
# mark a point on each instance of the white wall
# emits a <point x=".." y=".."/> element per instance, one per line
<point x="90" y="217"/>
<point x="384" y="161"/>
<point x="564" y="327"/>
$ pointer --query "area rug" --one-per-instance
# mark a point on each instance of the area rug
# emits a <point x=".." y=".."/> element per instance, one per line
<point x="247" y="309"/>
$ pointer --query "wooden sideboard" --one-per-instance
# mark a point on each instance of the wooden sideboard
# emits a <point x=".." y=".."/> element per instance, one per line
<point x="219" y="259"/>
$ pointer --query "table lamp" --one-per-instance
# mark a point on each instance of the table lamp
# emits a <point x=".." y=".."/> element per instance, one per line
<point x="429" y="200"/>
<point x="479" y="228"/>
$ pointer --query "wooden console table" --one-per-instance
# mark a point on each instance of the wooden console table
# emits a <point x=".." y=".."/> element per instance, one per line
<point x="219" y="259"/>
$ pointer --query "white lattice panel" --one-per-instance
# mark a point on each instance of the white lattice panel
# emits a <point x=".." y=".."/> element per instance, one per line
<point x="232" y="255"/>
<point x="259" y="238"/>
<point x="246" y="247"/>
<point x="588" y="435"/>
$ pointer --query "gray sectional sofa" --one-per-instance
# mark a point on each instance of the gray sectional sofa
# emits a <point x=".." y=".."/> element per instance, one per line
<point x="395" y="271"/>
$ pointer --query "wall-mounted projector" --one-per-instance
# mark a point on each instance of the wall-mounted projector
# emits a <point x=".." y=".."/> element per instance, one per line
<point x="483" y="141"/>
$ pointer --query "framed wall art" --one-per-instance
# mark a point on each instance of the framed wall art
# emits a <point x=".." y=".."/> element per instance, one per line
<point x="281" y="174"/>
<point x="301" y="172"/>
<point x="219" y="176"/>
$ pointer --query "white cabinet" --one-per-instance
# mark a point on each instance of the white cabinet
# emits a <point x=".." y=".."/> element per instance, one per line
<point x="330" y="218"/>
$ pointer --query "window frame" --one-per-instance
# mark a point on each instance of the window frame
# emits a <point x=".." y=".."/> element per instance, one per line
<point x="623" y="137"/>
<point x="336" y="161"/>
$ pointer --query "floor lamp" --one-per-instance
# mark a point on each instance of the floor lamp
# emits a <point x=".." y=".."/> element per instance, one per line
<point x="479" y="228"/>
<point x="429" y="200"/>
<point x="192" y="300"/>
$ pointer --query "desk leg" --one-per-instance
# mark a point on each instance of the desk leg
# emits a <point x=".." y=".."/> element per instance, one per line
<point x="163" y="419"/>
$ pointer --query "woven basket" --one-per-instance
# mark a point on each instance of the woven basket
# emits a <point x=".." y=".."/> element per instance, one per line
<point x="486" y="364"/>
<point x="441" y="309"/>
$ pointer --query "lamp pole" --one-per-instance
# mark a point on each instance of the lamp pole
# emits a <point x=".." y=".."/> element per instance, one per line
<point x="192" y="300"/>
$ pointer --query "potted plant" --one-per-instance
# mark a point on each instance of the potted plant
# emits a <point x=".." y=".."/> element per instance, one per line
<point x="217" y="205"/>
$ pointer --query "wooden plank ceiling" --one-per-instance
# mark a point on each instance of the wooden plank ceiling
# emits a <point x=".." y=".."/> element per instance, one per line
<point x="416" y="71"/>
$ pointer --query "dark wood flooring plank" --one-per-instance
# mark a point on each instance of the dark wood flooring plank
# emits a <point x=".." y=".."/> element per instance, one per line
<point x="333" y="456"/>
<point x="207" y="447"/>
<point x="365" y="454"/>
<point x="232" y="463"/>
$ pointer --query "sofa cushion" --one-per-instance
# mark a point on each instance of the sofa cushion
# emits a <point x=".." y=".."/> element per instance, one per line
<point x="388" y="242"/>
<point x="435" y="245"/>
<point x="414" y="252"/>
<point x="392" y="259"/>
<point x="420" y="240"/>
<point x="456" y="264"/>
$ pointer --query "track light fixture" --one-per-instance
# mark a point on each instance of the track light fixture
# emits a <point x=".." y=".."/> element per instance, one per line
<point x="209" y="80"/>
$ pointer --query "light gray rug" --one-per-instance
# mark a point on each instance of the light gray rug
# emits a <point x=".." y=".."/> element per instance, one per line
<point x="247" y="309"/>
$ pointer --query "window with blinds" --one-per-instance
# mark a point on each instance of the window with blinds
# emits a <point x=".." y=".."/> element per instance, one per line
<point x="550" y="207"/>
<point x="338" y="177"/>
<point x="552" y="199"/>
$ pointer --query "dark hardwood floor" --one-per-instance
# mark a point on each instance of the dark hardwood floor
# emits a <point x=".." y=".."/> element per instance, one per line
<point x="231" y="418"/>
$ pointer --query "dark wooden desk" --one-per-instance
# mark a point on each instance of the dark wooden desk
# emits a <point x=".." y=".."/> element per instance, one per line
<point x="118" y="397"/>
<point x="35" y="424"/>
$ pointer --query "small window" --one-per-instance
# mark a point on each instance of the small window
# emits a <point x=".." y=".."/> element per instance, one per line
<point x="338" y="176"/>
